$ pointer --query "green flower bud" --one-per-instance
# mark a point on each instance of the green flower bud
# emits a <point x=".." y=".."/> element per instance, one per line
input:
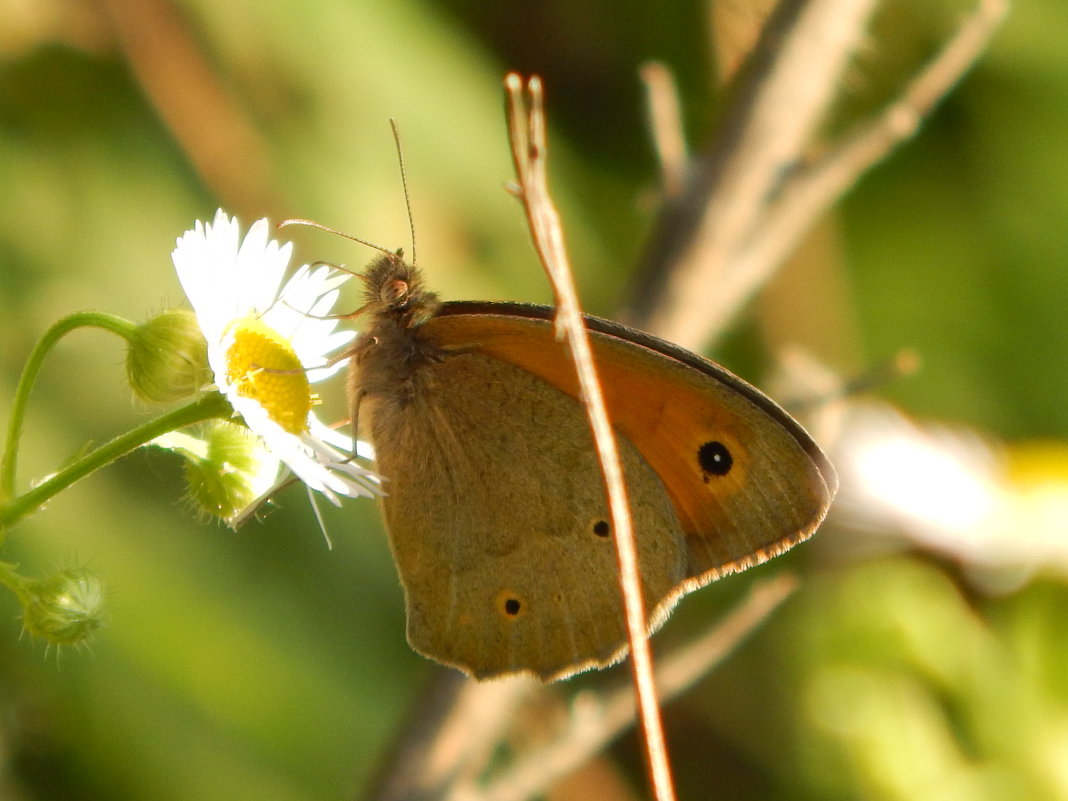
<point x="227" y="467"/>
<point x="168" y="357"/>
<point x="65" y="608"/>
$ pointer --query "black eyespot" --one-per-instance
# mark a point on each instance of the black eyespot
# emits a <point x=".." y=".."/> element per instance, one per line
<point x="601" y="528"/>
<point x="510" y="605"/>
<point x="714" y="459"/>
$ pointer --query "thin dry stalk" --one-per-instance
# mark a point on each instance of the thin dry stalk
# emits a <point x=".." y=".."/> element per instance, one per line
<point x="526" y="124"/>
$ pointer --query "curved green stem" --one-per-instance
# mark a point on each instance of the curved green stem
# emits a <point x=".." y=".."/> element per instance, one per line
<point x="10" y="578"/>
<point x="110" y="322"/>
<point x="207" y="407"/>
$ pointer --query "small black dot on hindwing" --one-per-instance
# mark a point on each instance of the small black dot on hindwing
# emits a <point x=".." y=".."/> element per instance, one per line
<point x="510" y="605"/>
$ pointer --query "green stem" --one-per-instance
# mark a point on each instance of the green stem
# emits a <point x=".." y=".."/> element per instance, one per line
<point x="207" y="407"/>
<point x="10" y="578"/>
<point x="110" y="322"/>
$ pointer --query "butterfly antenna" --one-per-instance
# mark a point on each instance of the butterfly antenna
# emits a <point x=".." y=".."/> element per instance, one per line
<point x="404" y="182"/>
<point x="329" y="230"/>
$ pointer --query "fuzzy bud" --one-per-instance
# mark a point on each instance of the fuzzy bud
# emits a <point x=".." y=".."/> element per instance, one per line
<point x="227" y="467"/>
<point x="65" y="608"/>
<point x="168" y="357"/>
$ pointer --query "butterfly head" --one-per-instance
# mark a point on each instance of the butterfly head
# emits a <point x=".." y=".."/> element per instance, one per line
<point x="394" y="288"/>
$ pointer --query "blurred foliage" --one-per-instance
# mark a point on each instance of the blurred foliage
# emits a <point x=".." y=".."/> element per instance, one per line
<point x="263" y="665"/>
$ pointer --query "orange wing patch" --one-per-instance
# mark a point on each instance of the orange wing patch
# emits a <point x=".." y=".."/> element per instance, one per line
<point x="744" y="486"/>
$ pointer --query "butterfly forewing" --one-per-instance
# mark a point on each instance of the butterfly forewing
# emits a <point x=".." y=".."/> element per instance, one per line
<point x="745" y="479"/>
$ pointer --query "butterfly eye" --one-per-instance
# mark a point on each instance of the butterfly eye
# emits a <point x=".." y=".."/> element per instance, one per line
<point x="393" y="292"/>
<point x="601" y="528"/>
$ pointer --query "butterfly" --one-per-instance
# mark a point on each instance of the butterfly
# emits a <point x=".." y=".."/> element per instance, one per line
<point x="495" y="507"/>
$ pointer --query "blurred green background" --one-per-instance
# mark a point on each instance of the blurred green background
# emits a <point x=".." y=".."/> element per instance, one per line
<point x="260" y="664"/>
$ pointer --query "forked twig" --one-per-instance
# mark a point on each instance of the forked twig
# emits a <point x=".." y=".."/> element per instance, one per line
<point x="526" y="126"/>
<point x="750" y="198"/>
<point x="813" y="189"/>
<point x="792" y="76"/>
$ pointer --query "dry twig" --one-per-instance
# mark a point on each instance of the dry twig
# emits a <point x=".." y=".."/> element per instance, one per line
<point x="526" y="124"/>
<point x="791" y="79"/>
<point x="750" y="198"/>
<point x="665" y="126"/>
<point x="813" y="189"/>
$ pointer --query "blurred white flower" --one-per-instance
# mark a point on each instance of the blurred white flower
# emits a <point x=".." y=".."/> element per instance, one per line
<point x="1000" y="511"/>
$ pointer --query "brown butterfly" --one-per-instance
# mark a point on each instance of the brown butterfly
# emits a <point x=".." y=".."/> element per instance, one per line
<point x="496" y="511"/>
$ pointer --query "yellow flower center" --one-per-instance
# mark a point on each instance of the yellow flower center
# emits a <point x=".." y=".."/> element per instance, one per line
<point x="262" y="366"/>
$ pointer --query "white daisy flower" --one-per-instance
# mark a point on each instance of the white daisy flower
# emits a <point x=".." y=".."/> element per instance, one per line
<point x="267" y="344"/>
